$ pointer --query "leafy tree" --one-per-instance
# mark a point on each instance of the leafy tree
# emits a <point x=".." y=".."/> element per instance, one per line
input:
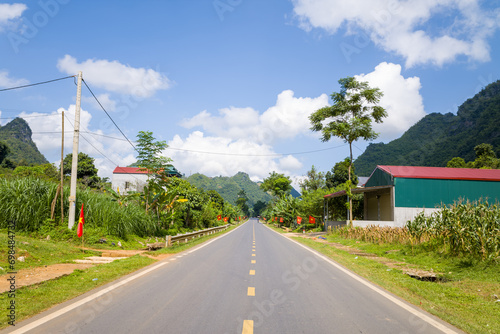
<point x="4" y="151"/>
<point x="350" y="117"/>
<point x="456" y="162"/>
<point x="217" y="200"/>
<point x="45" y="171"/>
<point x="241" y="202"/>
<point x="86" y="171"/>
<point x="277" y="184"/>
<point x="149" y="156"/>
<point x="340" y="174"/>
<point x="485" y="157"/>
<point x="259" y="207"/>
<point x="315" y="180"/>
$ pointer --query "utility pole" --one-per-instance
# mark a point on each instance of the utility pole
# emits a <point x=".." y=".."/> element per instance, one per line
<point x="62" y="172"/>
<point x="74" y="164"/>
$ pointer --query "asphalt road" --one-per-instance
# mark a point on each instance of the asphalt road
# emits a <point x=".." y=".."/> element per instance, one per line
<point x="251" y="280"/>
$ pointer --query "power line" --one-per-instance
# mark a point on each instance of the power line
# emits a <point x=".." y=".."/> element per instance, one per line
<point x="256" y="155"/>
<point x="99" y="102"/>
<point x="36" y="84"/>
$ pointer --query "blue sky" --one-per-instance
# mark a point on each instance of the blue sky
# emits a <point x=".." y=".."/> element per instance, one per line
<point x="229" y="84"/>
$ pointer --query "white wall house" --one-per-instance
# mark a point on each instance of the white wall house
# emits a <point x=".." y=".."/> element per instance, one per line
<point x="127" y="179"/>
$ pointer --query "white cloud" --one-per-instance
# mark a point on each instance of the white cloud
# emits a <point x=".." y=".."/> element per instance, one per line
<point x="116" y="77"/>
<point x="9" y="13"/>
<point x="105" y="99"/>
<point x="229" y="157"/>
<point x="402" y="99"/>
<point x="409" y="28"/>
<point x="47" y="129"/>
<point x="6" y="81"/>
<point x="288" y="118"/>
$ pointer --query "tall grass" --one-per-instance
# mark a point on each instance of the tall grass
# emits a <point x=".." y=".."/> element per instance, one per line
<point x="465" y="229"/>
<point x="27" y="201"/>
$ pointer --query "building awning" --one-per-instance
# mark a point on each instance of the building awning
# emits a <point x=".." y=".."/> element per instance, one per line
<point x="356" y="191"/>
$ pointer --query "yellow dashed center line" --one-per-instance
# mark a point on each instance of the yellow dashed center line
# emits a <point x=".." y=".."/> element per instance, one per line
<point x="251" y="291"/>
<point x="253" y="254"/>
<point x="253" y="261"/>
<point x="247" y="327"/>
<point x="252" y="272"/>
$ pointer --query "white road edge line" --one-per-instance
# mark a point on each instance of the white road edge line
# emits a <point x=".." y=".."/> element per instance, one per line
<point x="85" y="300"/>
<point x="363" y="281"/>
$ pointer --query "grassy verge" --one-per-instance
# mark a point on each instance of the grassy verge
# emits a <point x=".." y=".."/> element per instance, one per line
<point x="31" y="300"/>
<point x="465" y="297"/>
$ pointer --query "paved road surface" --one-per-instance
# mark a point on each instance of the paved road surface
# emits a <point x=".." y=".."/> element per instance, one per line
<point x="251" y="280"/>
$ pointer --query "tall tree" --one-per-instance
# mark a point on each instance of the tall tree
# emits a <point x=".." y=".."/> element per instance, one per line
<point x="340" y="174"/>
<point x="277" y="184"/>
<point x="315" y="180"/>
<point x="350" y="117"/>
<point x="149" y="150"/>
<point x="86" y="171"/>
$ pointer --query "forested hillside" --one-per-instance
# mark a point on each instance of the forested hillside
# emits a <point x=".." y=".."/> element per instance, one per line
<point x="22" y="150"/>
<point x="229" y="187"/>
<point x="437" y="138"/>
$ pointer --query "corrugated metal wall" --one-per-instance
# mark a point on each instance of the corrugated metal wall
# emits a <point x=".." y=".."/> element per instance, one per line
<point x="430" y="193"/>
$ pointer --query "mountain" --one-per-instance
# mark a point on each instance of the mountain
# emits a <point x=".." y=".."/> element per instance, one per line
<point x="17" y="135"/>
<point x="229" y="187"/>
<point x="437" y="138"/>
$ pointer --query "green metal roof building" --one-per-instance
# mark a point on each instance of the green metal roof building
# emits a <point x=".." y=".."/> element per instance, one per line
<point x="395" y="194"/>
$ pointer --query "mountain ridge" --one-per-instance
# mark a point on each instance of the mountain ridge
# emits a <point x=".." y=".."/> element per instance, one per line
<point x="437" y="138"/>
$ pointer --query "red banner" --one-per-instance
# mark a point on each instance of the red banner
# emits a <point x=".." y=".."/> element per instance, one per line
<point x="299" y="220"/>
<point x="225" y="219"/>
<point x="219" y="217"/>
<point x="281" y="220"/>
<point x="312" y="220"/>
<point x="81" y="221"/>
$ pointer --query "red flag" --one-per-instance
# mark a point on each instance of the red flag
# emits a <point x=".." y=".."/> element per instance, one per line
<point x="219" y="217"/>
<point x="81" y="221"/>
<point x="225" y="219"/>
<point x="299" y="220"/>
<point x="281" y="219"/>
<point x="312" y="220"/>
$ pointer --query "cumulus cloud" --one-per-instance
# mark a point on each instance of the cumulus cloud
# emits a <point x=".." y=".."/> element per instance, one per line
<point x="288" y="118"/>
<point x="6" y="81"/>
<point x="116" y="77"/>
<point x="227" y="156"/>
<point x="409" y="28"/>
<point x="402" y="99"/>
<point x="108" y="152"/>
<point x="9" y="13"/>
<point x="106" y="101"/>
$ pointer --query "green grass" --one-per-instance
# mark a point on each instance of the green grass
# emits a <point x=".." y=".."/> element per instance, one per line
<point x="34" y="299"/>
<point x="464" y="299"/>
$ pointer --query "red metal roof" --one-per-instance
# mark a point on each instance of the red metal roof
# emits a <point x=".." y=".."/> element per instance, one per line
<point x="445" y="173"/>
<point x="129" y="170"/>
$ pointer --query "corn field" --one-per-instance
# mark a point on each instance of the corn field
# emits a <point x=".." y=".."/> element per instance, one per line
<point x="467" y="229"/>
<point x="27" y="201"/>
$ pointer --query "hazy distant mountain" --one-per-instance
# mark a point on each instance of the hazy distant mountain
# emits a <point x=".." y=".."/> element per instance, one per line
<point x="229" y="187"/>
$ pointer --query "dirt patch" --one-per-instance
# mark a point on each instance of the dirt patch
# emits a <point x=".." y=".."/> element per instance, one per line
<point x="36" y="275"/>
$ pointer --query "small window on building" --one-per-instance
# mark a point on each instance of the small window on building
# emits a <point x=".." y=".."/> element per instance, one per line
<point x="127" y="184"/>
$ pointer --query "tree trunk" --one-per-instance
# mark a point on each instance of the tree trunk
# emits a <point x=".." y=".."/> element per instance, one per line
<point x="350" y="197"/>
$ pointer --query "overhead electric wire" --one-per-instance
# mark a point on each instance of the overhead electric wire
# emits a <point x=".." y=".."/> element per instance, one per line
<point x="99" y="102"/>
<point x="255" y="155"/>
<point x="36" y="84"/>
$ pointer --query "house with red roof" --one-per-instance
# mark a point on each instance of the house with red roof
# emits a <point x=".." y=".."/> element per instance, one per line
<point x="127" y="179"/>
<point x="395" y="194"/>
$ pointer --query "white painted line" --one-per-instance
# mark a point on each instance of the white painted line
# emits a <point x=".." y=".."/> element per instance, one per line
<point x="383" y="293"/>
<point x="76" y="304"/>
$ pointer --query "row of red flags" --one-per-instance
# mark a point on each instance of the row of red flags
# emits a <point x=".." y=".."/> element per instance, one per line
<point x="219" y="217"/>
<point x="312" y="220"/>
